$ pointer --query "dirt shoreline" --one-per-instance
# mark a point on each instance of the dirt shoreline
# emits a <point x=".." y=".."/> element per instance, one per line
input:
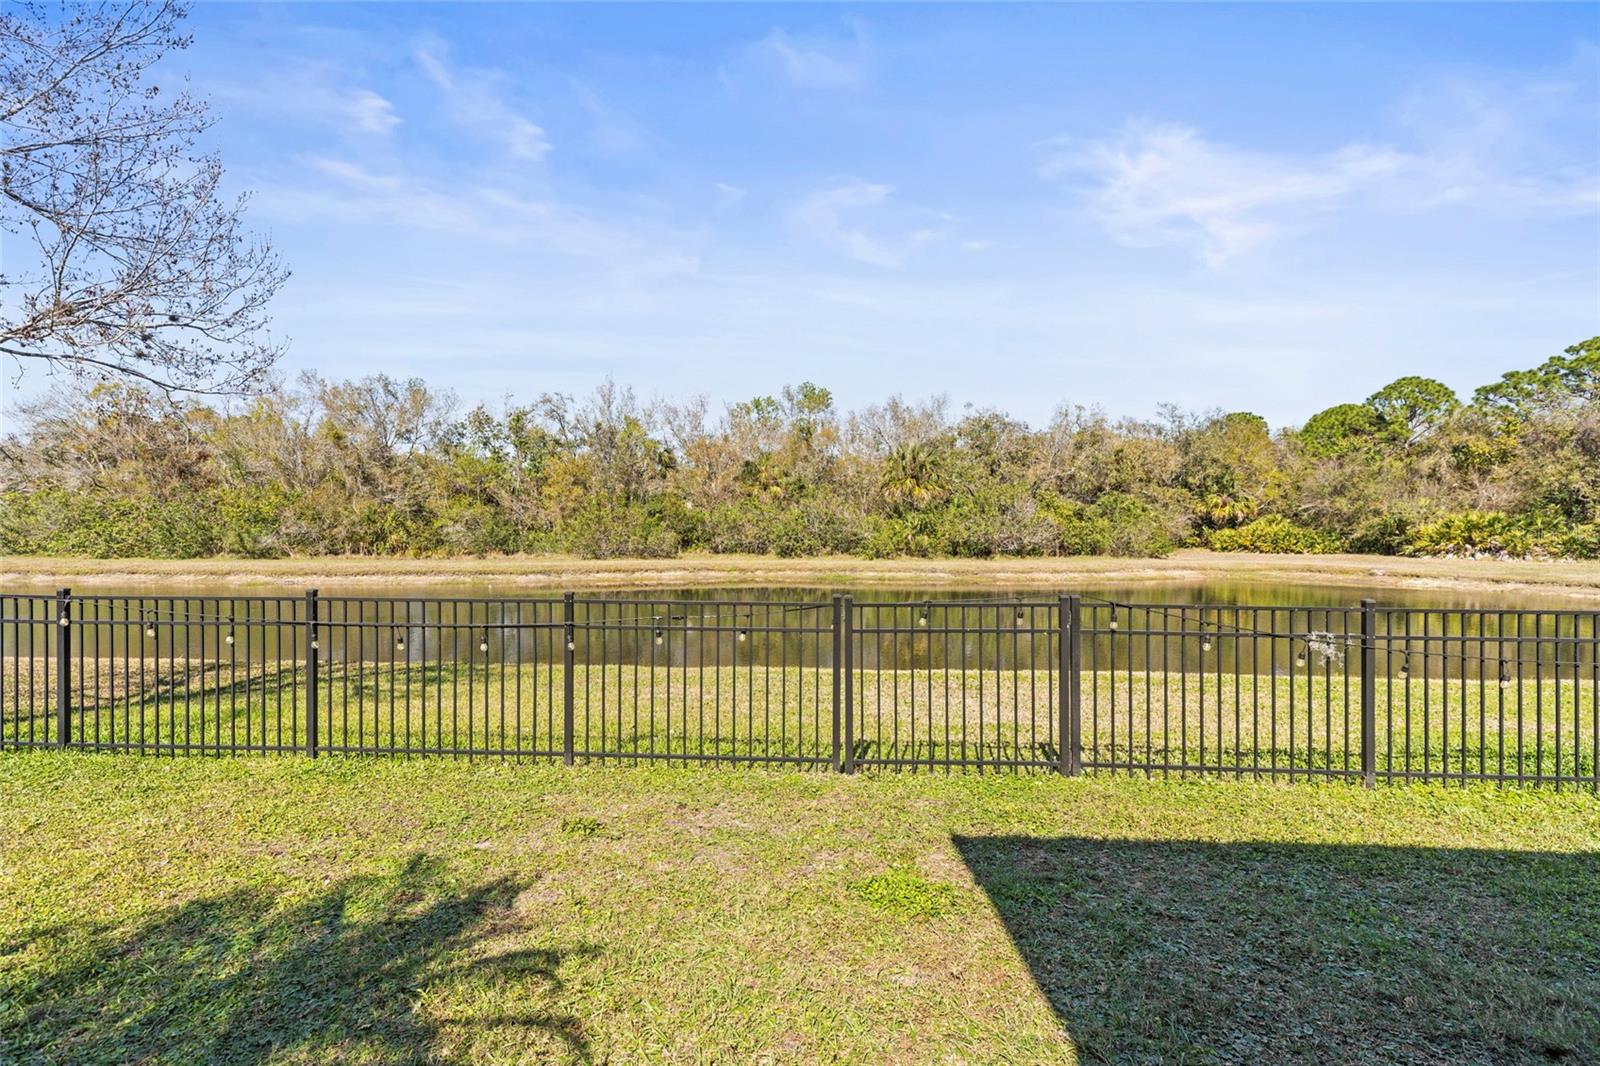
<point x="1560" y="578"/>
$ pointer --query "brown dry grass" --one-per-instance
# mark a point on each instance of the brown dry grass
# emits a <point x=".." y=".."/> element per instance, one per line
<point x="1546" y="578"/>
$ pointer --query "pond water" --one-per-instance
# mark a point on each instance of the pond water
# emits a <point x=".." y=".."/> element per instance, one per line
<point x="1252" y="625"/>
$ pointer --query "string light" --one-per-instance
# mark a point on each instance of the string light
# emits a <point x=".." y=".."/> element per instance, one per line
<point x="483" y="643"/>
<point x="1019" y="616"/>
<point x="399" y="641"/>
<point x="1505" y="675"/>
<point x="922" y="616"/>
<point x="150" y="631"/>
<point x="229" y="638"/>
<point x="1300" y="657"/>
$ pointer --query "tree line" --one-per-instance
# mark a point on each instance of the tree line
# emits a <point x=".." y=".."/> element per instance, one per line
<point x="383" y="467"/>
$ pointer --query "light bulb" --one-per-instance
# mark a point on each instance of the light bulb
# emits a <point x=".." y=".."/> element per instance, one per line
<point x="228" y="639"/>
<point x="922" y="619"/>
<point x="483" y="645"/>
<point x="150" y="631"/>
<point x="1113" y="623"/>
<point x="1405" y="669"/>
<point x="572" y="645"/>
<point x="1300" y="658"/>
<point x="1019" y="616"/>
<point x="1205" y="643"/>
<point x="742" y="636"/>
<point x="659" y="637"/>
<point x="399" y="642"/>
<point x="315" y="645"/>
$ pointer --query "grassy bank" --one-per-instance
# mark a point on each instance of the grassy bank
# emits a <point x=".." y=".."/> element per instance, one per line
<point x="373" y="911"/>
<point x="509" y="573"/>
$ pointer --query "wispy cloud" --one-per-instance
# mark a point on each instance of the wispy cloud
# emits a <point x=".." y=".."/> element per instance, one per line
<point x="1165" y="184"/>
<point x="314" y="92"/>
<point x="815" y="62"/>
<point x="477" y="100"/>
<point x="833" y="217"/>
<point x="343" y="191"/>
<point x="1464" y="142"/>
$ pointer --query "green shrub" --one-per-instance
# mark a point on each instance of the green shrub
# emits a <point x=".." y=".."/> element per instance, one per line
<point x="1275" y="534"/>
<point x="1133" y="527"/>
<point x="1386" y="534"/>
<point x="605" y="529"/>
<point x="1474" y="533"/>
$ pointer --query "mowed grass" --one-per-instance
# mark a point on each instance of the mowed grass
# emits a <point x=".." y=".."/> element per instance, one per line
<point x="1302" y="722"/>
<point x="365" y="910"/>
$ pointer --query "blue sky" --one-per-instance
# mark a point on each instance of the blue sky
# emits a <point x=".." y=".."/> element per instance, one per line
<point x="1264" y="207"/>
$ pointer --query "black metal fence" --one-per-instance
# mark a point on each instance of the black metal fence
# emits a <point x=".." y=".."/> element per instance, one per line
<point x="1364" y="693"/>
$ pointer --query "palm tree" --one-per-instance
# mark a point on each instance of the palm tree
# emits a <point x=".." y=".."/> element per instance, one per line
<point x="911" y="477"/>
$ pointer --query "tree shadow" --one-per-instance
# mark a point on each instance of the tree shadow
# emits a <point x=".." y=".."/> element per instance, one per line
<point x="1256" y="952"/>
<point x="242" y="978"/>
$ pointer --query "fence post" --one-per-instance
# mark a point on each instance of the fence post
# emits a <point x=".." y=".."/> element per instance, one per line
<point x="838" y="668"/>
<point x="63" y="667"/>
<point x="847" y="629"/>
<point x="1369" y="692"/>
<point x="568" y="660"/>
<point x="1071" y="645"/>
<point x="313" y="656"/>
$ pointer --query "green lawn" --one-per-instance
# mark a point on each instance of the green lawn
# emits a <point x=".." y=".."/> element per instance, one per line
<point x="1253" y="724"/>
<point x="363" y="910"/>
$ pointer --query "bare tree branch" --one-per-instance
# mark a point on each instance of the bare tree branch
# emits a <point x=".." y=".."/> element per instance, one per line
<point x="139" y="267"/>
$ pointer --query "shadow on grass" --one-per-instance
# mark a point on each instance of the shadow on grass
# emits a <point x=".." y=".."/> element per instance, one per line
<point x="1197" y="952"/>
<point x="241" y="978"/>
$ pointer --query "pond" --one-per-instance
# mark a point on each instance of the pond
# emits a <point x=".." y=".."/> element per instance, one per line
<point x="1249" y="626"/>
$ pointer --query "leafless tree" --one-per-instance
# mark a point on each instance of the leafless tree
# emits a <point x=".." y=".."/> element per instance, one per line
<point x="123" y="257"/>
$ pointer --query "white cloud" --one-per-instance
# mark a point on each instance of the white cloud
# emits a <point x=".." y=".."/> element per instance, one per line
<point x="353" y="194"/>
<point x="476" y="100"/>
<point x="831" y="217"/>
<point x="815" y="63"/>
<point x="1157" y="185"/>
<point x="315" y="92"/>
<point x="1476" y="143"/>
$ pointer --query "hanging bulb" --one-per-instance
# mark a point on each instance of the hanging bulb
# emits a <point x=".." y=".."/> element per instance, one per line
<point x="1113" y="622"/>
<point x="229" y="638"/>
<point x="1300" y="657"/>
<point x="922" y="617"/>
<point x="1205" y="642"/>
<point x="315" y="644"/>
<point x="572" y="645"/>
<point x="1019" y="616"/>
<point x="150" y="631"/>
<point x="1505" y="676"/>
<point x="660" y="637"/>
<point x="399" y="642"/>
<point x="483" y="645"/>
<point x="743" y="635"/>
<point x="1405" y="667"/>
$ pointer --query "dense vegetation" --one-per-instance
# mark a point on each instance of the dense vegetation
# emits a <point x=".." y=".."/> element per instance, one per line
<point x="378" y="466"/>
